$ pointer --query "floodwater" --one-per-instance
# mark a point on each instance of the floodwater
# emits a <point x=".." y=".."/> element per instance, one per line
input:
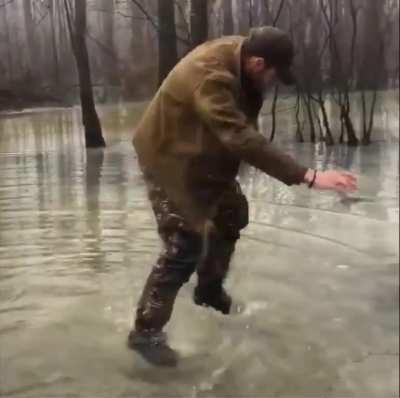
<point x="317" y="274"/>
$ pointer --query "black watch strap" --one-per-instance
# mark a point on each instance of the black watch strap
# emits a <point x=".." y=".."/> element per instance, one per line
<point x="311" y="184"/>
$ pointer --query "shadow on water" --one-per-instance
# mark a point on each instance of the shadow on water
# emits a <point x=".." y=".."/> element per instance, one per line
<point x="318" y="275"/>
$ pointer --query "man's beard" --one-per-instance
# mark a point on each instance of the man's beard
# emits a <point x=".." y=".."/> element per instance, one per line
<point x="268" y="87"/>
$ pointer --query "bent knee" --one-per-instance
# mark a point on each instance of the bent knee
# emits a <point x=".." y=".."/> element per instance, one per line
<point x="183" y="247"/>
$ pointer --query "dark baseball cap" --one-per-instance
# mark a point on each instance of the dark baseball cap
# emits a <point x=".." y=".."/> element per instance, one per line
<point x="276" y="47"/>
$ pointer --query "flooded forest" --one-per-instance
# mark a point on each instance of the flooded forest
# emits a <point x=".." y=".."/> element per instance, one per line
<point x="315" y="274"/>
<point x="346" y="55"/>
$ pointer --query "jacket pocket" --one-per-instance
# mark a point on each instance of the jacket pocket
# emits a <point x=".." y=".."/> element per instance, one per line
<point x="232" y="214"/>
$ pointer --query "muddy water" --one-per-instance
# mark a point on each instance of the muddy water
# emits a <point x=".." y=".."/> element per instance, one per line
<point x="317" y="274"/>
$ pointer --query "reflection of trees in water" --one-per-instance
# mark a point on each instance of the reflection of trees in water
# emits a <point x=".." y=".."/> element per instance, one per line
<point x="93" y="235"/>
<point x="94" y="164"/>
<point x="349" y="156"/>
<point x="106" y="206"/>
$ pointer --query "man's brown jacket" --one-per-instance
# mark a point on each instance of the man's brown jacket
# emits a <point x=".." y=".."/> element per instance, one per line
<point x="200" y="126"/>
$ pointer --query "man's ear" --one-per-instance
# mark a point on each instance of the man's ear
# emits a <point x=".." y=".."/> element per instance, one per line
<point x="259" y="64"/>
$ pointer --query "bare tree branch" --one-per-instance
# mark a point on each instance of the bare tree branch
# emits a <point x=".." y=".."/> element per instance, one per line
<point x="185" y="26"/>
<point x="6" y="3"/>
<point x="69" y="23"/>
<point x="278" y="13"/>
<point x="120" y="13"/>
<point x="107" y="50"/>
<point x="153" y="23"/>
<point x="146" y="14"/>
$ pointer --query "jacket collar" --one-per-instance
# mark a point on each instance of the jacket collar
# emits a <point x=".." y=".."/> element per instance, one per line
<point x="238" y="60"/>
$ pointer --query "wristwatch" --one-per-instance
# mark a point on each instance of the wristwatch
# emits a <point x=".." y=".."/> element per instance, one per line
<point x="310" y="177"/>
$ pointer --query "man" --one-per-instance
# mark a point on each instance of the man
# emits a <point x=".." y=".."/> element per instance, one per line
<point x="200" y="126"/>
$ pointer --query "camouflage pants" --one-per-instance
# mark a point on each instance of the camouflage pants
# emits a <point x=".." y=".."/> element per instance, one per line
<point x="185" y="252"/>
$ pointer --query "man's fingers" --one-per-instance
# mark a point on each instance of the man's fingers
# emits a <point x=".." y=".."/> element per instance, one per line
<point x="347" y="173"/>
<point x="344" y="185"/>
<point x="351" y="180"/>
<point x="344" y="181"/>
<point x="349" y="176"/>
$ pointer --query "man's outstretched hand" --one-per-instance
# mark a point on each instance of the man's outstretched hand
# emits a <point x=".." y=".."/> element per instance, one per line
<point x="339" y="181"/>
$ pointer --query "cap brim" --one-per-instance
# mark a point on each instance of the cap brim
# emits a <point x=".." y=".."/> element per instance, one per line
<point x="286" y="76"/>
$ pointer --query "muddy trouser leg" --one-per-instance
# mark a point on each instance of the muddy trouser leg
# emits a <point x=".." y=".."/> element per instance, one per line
<point x="232" y="216"/>
<point x="175" y="265"/>
<point x="214" y="266"/>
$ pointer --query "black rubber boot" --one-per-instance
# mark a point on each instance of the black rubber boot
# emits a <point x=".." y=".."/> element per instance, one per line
<point x="213" y="296"/>
<point x="153" y="347"/>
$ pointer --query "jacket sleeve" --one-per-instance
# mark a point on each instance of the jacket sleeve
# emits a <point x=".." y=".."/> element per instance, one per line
<point x="216" y="105"/>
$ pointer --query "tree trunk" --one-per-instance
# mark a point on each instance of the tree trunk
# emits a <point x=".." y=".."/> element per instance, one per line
<point x="364" y="117"/>
<point x="352" y="139"/>
<point x="341" y="138"/>
<point x="307" y="102"/>
<point x="372" y="114"/>
<point x="316" y="116"/>
<point x="33" y="48"/>
<point x="367" y="130"/>
<point x="8" y="43"/>
<point x="63" y="33"/>
<point x="108" y="34"/>
<point x="93" y="133"/>
<point x="167" y="48"/>
<point x="251" y="19"/>
<point x="241" y="15"/>
<point x="182" y="23"/>
<point x="299" y="126"/>
<point x="273" y="111"/>
<point x="54" y="43"/>
<point x="228" y="18"/>
<point x="328" y="133"/>
<point x="138" y="36"/>
<point x="198" y="21"/>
